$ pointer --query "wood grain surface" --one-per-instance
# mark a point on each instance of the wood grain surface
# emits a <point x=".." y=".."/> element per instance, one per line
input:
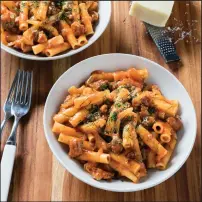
<point x="38" y="176"/>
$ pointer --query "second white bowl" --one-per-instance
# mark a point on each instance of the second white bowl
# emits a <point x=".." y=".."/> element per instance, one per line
<point x="104" y="19"/>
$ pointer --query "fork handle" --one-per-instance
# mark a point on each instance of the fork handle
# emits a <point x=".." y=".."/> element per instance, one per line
<point x="7" y="162"/>
<point x="3" y="123"/>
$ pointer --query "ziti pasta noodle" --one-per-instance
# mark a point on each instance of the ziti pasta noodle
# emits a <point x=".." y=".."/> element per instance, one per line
<point x="114" y="126"/>
<point x="39" y="26"/>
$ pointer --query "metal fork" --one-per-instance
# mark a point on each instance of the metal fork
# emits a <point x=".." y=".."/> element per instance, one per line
<point x="20" y="107"/>
<point x="8" y="103"/>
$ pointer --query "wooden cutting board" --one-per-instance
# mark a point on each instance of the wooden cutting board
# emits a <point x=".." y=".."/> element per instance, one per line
<point x="38" y="176"/>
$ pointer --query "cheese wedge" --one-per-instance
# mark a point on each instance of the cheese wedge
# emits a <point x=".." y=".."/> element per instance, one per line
<point x="155" y="13"/>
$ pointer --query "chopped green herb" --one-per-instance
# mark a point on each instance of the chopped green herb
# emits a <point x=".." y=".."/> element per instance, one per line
<point x="92" y="117"/>
<point x="113" y="116"/>
<point x="63" y="16"/>
<point x="22" y="6"/>
<point x="93" y="109"/>
<point x="104" y="86"/>
<point x="118" y="105"/>
<point x="35" y="4"/>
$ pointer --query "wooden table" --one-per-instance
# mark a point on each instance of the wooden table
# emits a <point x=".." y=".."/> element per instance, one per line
<point x="38" y="176"/>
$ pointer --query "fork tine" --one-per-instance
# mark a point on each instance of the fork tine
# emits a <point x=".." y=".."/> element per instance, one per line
<point x="17" y="87"/>
<point x="29" y="91"/>
<point x="22" y="87"/>
<point x="12" y="89"/>
<point x="26" y="87"/>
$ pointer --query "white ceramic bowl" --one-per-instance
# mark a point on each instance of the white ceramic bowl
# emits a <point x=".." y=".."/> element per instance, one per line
<point x="169" y="86"/>
<point x="104" y="18"/>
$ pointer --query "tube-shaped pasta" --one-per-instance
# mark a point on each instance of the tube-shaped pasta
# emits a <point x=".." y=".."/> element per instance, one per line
<point x="23" y="25"/>
<point x="132" y="165"/>
<point x="34" y="22"/>
<point x="70" y="111"/>
<point x="4" y="9"/>
<point x="75" y="11"/>
<point x="99" y="75"/>
<point x="10" y="5"/>
<point x="127" y="136"/>
<point x="123" y="95"/>
<point x="100" y="143"/>
<point x="19" y="44"/>
<point x="7" y="17"/>
<point x="120" y="75"/>
<point x="69" y="101"/>
<point x="151" y="159"/>
<point x="58" y="49"/>
<point x="61" y="118"/>
<point x="55" y="41"/>
<point x="51" y="29"/>
<point x="88" y="4"/>
<point x="68" y="34"/>
<point x="74" y="90"/>
<point x="151" y="142"/>
<point x="164" y="129"/>
<point x="136" y="146"/>
<point x="170" y="107"/>
<point x="110" y="128"/>
<point x="91" y="138"/>
<point x="42" y="10"/>
<point x="82" y="40"/>
<point x="60" y="128"/>
<point x="86" y="19"/>
<point x="161" y="164"/>
<point x="124" y="171"/>
<point x="78" y="117"/>
<point x="12" y="37"/>
<point x="94" y="157"/>
<point x="158" y="127"/>
<point x="125" y="113"/>
<point x="92" y="127"/>
<point x="138" y="74"/>
<point x="39" y="48"/>
<point x="143" y="171"/>
<point x="29" y="36"/>
<point x="114" y="120"/>
<point x="165" y="137"/>
<point x="96" y="98"/>
<point x="128" y="81"/>
<point x="66" y="140"/>
<point x="88" y="91"/>
<point x="65" y="115"/>
<point x="93" y="6"/>
<point x="3" y="36"/>
<point x="136" y="101"/>
<point x="25" y="48"/>
<point x="42" y="38"/>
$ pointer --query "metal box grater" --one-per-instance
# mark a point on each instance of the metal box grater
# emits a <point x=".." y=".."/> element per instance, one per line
<point x="163" y="43"/>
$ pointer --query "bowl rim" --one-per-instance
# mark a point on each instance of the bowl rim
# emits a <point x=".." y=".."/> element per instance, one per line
<point x="100" y="186"/>
<point x="19" y="54"/>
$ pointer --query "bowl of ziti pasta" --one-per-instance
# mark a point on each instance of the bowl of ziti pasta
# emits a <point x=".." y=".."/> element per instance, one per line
<point x="124" y="123"/>
<point x="50" y="30"/>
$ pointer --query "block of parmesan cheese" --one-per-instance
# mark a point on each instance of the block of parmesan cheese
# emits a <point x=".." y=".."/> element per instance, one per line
<point x="155" y="13"/>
